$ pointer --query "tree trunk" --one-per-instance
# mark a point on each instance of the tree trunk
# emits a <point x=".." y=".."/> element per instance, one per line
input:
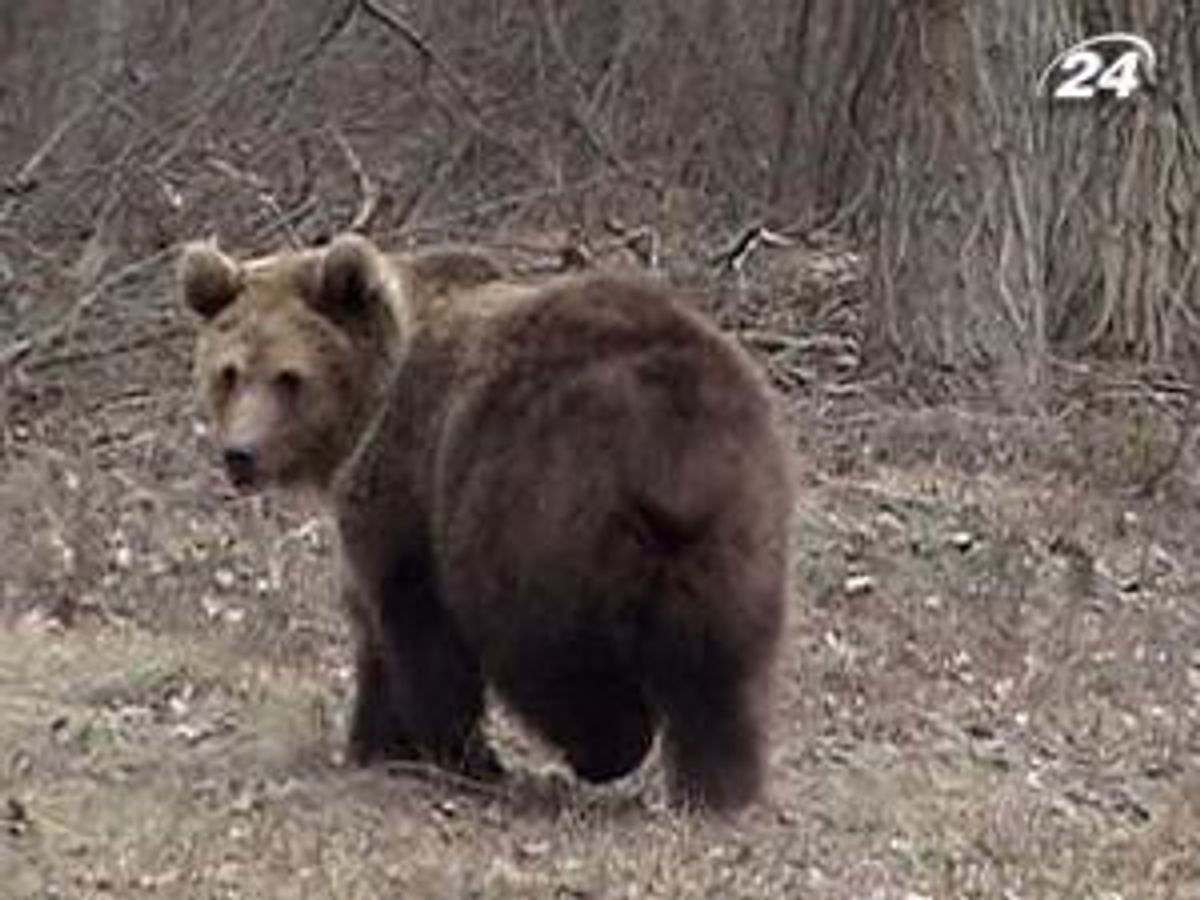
<point x="830" y="54"/>
<point x="1008" y="225"/>
<point x="1125" y="277"/>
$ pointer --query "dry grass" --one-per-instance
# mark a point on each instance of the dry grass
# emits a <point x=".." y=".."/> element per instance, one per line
<point x="990" y="689"/>
<point x="990" y="686"/>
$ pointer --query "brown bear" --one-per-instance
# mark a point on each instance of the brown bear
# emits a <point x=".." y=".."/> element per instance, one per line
<point x="575" y="492"/>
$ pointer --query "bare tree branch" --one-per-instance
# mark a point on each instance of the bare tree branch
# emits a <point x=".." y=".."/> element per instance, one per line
<point x="382" y="13"/>
<point x="368" y="190"/>
<point x="578" y="107"/>
<point x="338" y="23"/>
<point x="735" y="256"/>
<point x="18" y="350"/>
<point x="219" y="88"/>
<point x="23" y="179"/>
<point x="262" y="191"/>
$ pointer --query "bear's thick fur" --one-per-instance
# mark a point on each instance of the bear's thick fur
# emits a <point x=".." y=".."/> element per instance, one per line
<point x="573" y="491"/>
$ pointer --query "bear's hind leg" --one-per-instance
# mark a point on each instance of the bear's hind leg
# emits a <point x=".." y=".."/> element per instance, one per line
<point x="594" y="714"/>
<point x="713" y="743"/>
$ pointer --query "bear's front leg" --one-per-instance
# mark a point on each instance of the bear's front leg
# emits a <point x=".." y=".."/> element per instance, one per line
<point x="377" y="732"/>
<point x="419" y="691"/>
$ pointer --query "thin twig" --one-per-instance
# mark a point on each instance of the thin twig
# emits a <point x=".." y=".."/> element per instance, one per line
<point x="19" y="349"/>
<point x="642" y="241"/>
<point x="368" y="190"/>
<point x="737" y="253"/>
<point x="260" y="186"/>
<point x="219" y="89"/>
<point x="457" y="780"/>
<point x="332" y="30"/>
<point x="576" y="107"/>
<point x="382" y="13"/>
<point x="470" y="111"/>
<point x="430" y="186"/>
<point x="286" y="221"/>
<point x="23" y="180"/>
<point x="1187" y="425"/>
<point x="817" y="343"/>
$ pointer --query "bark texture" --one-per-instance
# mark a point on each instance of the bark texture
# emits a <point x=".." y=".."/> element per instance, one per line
<point x="1009" y="227"/>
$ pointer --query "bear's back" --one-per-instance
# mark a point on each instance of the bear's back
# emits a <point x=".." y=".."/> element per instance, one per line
<point x="587" y="392"/>
<point x="573" y="321"/>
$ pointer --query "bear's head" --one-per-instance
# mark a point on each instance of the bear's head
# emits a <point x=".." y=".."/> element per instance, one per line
<point x="291" y="353"/>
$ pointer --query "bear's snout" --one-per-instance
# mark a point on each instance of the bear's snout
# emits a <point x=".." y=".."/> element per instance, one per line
<point x="241" y="464"/>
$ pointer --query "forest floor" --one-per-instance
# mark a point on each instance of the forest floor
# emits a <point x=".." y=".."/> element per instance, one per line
<point x="989" y="685"/>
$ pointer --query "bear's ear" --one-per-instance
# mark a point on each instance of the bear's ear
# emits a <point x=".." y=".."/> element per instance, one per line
<point x="351" y="278"/>
<point x="210" y="280"/>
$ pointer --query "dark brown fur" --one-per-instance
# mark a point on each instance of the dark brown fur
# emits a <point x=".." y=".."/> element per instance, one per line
<point x="575" y="492"/>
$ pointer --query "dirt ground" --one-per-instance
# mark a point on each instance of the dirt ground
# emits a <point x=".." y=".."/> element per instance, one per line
<point x="989" y="686"/>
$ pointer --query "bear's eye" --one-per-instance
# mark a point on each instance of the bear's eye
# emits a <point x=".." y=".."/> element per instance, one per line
<point x="289" y="382"/>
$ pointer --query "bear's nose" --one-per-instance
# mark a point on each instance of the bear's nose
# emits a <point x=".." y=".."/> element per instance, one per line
<point x="241" y="464"/>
